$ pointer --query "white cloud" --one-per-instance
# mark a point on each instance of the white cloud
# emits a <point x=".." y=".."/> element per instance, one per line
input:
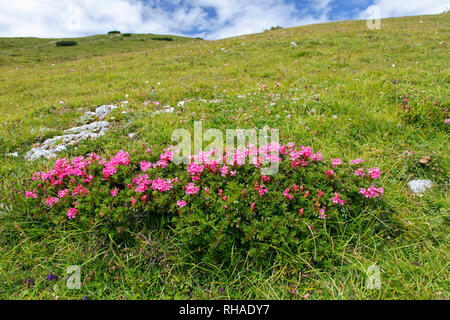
<point x="398" y="8"/>
<point x="70" y="18"/>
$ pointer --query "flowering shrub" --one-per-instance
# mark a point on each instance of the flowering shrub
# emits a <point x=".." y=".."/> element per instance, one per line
<point x="212" y="204"/>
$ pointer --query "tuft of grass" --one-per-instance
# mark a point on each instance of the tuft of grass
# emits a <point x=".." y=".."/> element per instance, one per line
<point x="66" y="43"/>
<point x="163" y="38"/>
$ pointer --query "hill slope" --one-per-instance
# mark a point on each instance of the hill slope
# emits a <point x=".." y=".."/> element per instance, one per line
<point x="341" y="88"/>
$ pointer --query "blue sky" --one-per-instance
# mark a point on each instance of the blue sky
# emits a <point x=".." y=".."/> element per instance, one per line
<point x="209" y="19"/>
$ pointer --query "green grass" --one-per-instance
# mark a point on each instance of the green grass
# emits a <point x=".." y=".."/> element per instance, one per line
<point x="356" y="74"/>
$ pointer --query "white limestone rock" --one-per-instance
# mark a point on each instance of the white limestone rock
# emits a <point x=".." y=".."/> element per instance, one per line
<point x="102" y="111"/>
<point x="419" y="186"/>
<point x="50" y="147"/>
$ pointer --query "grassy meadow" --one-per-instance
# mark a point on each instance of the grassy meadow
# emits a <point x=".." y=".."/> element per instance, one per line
<point x="343" y="89"/>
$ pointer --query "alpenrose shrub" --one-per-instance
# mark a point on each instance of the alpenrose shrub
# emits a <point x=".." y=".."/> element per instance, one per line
<point x="214" y="207"/>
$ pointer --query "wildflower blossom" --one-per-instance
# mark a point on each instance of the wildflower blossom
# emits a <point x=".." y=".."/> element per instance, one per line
<point x="31" y="194"/>
<point x="191" y="188"/>
<point x="360" y="172"/>
<point x="322" y="216"/>
<point x="50" y="201"/>
<point x="329" y="173"/>
<point x="356" y="161"/>
<point x="63" y="193"/>
<point x="261" y="189"/>
<point x="224" y="171"/>
<point x="181" y="203"/>
<point x="162" y="185"/>
<point x="336" y="199"/>
<point x="145" y="165"/>
<point x="374" y="173"/>
<point x="114" y="192"/>
<point x="71" y="213"/>
<point x="316" y="156"/>
<point x="336" y="162"/>
<point x="371" y="192"/>
<point x="286" y="194"/>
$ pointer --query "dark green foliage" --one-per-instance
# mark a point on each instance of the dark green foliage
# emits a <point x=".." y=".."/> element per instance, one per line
<point x="163" y="38"/>
<point x="114" y="32"/>
<point x="66" y="43"/>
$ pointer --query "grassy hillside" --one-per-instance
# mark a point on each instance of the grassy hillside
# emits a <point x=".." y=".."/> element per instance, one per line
<point x="341" y="90"/>
<point x="38" y="50"/>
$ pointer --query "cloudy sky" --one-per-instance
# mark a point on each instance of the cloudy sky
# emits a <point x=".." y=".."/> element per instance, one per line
<point x="209" y="19"/>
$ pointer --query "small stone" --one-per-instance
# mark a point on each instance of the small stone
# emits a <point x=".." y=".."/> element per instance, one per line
<point x="104" y="110"/>
<point x="165" y="110"/>
<point x="14" y="154"/>
<point x="419" y="186"/>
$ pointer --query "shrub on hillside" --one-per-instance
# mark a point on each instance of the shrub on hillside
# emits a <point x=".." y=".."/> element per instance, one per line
<point x="126" y="34"/>
<point x="114" y="32"/>
<point x="215" y="209"/>
<point x="66" y="43"/>
<point x="163" y="38"/>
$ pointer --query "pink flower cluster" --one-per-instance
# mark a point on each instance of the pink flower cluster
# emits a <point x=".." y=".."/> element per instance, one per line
<point x="191" y="188"/>
<point x="371" y="192"/>
<point x="74" y="178"/>
<point x="121" y="158"/>
<point x="336" y="199"/>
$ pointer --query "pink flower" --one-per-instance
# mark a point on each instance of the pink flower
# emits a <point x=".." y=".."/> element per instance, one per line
<point x="63" y="193"/>
<point x="195" y="169"/>
<point x="374" y="173"/>
<point x="261" y="189"/>
<point x="337" y="200"/>
<point x="224" y="171"/>
<point x="79" y="190"/>
<point x="447" y="120"/>
<point x="286" y="194"/>
<point x="320" y="193"/>
<point x="191" y="188"/>
<point x="31" y="194"/>
<point x="356" y="161"/>
<point x="145" y="165"/>
<point x="336" y="162"/>
<point x="360" y="172"/>
<point x="301" y="211"/>
<point x="71" y="213"/>
<point x="316" y="156"/>
<point x="322" y="216"/>
<point x="252" y="206"/>
<point x="372" y="192"/>
<point x="162" y="185"/>
<point x="133" y="202"/>
<point x="51" y="201"/>
<point x="181" y="203"/>
<point x="114" y="191"/>
<point x="329" y="173"/>
<point x="121" y="158"/>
